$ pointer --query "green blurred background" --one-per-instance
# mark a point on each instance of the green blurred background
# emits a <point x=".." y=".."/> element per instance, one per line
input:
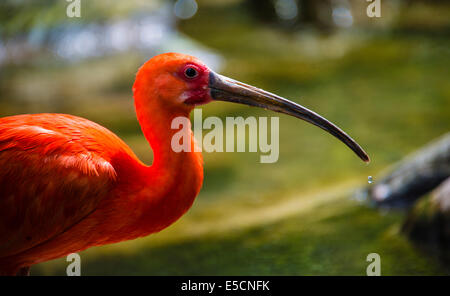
<point x="383" y="80"/>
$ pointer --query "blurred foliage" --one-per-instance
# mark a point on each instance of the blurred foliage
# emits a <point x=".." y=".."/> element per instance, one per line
<point x="387" y="88"/>
<point x="18" y="17"/>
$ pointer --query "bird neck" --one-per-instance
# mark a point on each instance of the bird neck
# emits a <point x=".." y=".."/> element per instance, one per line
<point x="156" y="124"/>
<point x="175" y="178"/>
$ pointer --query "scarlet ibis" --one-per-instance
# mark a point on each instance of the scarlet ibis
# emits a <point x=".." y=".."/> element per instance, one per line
<point x="67" y="184"/>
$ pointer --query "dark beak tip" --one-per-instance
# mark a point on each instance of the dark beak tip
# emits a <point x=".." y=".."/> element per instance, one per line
<point x="364" y="156"/>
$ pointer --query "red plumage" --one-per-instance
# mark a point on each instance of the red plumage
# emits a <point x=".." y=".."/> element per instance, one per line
<point x="67" y="184"/>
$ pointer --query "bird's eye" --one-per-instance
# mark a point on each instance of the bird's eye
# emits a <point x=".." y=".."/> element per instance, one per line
<point x="191" y="72"/>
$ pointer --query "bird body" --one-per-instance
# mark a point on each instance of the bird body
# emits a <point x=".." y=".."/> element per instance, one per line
<point x="62" y="177"/>
<point x="67" y="184"/>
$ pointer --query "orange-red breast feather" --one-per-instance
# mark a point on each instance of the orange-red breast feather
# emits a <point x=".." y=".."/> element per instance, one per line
<point x="54" y="170"/>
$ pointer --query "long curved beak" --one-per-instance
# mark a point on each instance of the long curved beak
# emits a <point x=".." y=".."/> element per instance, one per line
<point x="226" y="89"/>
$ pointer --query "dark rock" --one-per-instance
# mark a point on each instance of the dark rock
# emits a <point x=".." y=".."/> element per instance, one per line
<point x="414" y="176"/>
<point x="428" y="223"/>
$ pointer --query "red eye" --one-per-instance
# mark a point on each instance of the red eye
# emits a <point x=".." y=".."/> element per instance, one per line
<point x="190" y="72"/>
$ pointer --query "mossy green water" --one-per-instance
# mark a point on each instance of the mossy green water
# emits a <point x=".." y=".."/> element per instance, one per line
<point x="331" y="240"/>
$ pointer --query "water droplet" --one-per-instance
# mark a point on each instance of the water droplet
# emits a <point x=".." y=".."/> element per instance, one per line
<point x="370" y="179"/>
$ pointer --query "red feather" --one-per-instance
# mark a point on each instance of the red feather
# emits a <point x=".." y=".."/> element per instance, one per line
<point x="67" y="184"/>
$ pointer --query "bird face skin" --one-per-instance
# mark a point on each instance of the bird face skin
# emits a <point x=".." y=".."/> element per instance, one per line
<point x="184" y="82"/>
<point x="179" y="81"/>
